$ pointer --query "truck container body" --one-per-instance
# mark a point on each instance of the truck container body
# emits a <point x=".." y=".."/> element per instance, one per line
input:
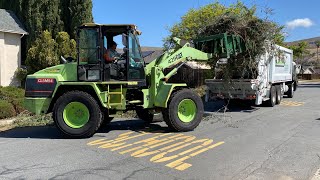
<point x="274" y="70"/>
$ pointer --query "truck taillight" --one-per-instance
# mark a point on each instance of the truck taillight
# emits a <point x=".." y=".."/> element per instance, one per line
<point x="254" y="81"/>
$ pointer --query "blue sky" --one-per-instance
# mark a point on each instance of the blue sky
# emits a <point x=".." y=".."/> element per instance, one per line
<point x="301" y="17"/>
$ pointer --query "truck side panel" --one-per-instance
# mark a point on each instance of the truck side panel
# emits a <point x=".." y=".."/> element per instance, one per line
<point x="281" y="66"/>
<point x="272" y="70"/>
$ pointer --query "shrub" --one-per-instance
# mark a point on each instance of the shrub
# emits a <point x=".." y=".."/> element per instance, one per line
<point x="21" y="74"/>
<point x="6" y="110"/>
<point x="43" y="53"/>
<point x="9" y="93"/>
<point x="14" y="96"/>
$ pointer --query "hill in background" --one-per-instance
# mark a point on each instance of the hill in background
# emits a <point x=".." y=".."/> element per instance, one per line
<point x="311" y="46"/>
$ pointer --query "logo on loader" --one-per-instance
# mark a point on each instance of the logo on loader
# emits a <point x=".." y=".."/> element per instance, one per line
<point x="45" y="81"/>
<point x="178" y="56"/>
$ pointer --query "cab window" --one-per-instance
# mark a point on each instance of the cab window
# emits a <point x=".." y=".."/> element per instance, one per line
<point x="136" y="63"/>
<point x="88" y="46"/>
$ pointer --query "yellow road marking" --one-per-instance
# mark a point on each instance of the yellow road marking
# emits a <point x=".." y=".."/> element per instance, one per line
<point x="129" y="150"/>
<point x="184" y="166"/>
<point x="187" y="165"/>
<point x="161" y="147"/>
<point x="291" y="103"/>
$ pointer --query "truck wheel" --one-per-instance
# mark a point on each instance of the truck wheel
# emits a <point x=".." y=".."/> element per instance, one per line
<point x="145" y="115"/>
<point x="273" y="99"/>
<point x="295" y="86"/>
<point x="184" y="111"/>
<point x="77" y="114"/>
<point x="279" y="94"/>
<point x="290" y="91"/>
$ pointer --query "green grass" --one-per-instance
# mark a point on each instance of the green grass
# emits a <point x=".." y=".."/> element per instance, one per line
<point x="23" y="120"/>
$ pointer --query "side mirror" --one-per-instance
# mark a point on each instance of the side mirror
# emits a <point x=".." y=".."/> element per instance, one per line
<point x="66" y="60"/>
<point x="63" y="60"/>
<point x="124" y="40"/>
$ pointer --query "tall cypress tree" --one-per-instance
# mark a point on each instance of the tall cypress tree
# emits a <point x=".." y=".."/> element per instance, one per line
<point x="79" y="12"/>
<point x="52" y="20"/>
<point x="51" y="15"/>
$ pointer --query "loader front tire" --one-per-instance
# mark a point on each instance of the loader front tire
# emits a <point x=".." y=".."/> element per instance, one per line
<point x="77" y="114"/>
<point x="184" y="111"/>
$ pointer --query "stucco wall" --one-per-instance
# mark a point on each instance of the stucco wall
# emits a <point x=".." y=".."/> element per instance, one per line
<point x="2" y="53"/>
<point x="10" y="58"/>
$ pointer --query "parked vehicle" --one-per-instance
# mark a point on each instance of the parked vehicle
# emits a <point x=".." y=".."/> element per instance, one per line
<point x="275" y="76"/>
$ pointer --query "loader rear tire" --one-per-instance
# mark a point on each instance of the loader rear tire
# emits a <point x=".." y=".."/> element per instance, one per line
<point x="184" y="111"/>
<point x="77" y="114"/>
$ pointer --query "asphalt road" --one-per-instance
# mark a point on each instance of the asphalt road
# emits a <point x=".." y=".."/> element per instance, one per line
<point x="243" y="143"/>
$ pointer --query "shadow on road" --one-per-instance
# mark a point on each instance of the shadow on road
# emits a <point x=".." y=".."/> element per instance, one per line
<point x="51" y="132"/>
<point x="235" y="106"/>
<point x="38" y="132"/>
<point x="133" y="125"/>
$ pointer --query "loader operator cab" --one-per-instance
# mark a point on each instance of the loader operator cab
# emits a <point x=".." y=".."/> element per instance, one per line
<point x="93" y="40"/>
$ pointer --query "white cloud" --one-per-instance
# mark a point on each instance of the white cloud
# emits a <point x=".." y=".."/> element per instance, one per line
<point x="306" y="22"/>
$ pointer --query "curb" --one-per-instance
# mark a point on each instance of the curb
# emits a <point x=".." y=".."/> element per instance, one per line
<point x="6" y="122"/>
<point x="306" y="81"/>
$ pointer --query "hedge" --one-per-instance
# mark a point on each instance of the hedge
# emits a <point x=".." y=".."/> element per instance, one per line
<point x="6" y="110"/>
<point x="11" y="99"/>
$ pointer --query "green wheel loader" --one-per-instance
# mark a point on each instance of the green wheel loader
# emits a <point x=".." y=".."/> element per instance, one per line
<point x="85" y="92"/>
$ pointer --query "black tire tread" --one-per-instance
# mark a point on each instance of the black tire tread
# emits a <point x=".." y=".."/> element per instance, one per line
<point x="278" y="91"/>
<point x="81" y="94"/>
<point x="272" y="93"/>
<point x="290" y="91"/>
<point x="166" y="113"/>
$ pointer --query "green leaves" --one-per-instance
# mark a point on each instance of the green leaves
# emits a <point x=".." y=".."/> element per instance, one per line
<point x="46" y="51"/>
<point x="237" y="19"/>
<point x="66" y="47"/>
<point x="50" y="15"/>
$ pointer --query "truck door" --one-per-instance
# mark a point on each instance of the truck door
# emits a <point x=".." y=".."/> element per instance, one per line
<point x="136" y="64"/>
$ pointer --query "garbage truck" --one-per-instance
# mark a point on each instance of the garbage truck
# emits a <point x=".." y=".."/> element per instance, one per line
<point x="275" y="77"/>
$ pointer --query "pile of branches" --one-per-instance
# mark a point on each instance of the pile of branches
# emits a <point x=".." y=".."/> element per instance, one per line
<point x="259" y="35"/>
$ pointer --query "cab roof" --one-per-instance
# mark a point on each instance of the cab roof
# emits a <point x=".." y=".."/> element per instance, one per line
<point x="108" y="25"/>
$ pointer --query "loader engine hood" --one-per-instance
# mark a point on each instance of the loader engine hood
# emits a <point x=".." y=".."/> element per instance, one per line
<point x="43" y="83"/>
<point x="62" y="72"/>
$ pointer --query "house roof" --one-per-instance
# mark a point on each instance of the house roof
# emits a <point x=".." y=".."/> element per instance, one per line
<point x="10" y="23"/>
<point x="316" y="71"/>
<point x="152" y="56"/>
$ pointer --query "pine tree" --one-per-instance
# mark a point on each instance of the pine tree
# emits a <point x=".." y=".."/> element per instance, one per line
<point x="52" y="20"/>
<point x="53" y="16"/>
<point x="80" y="11"/>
